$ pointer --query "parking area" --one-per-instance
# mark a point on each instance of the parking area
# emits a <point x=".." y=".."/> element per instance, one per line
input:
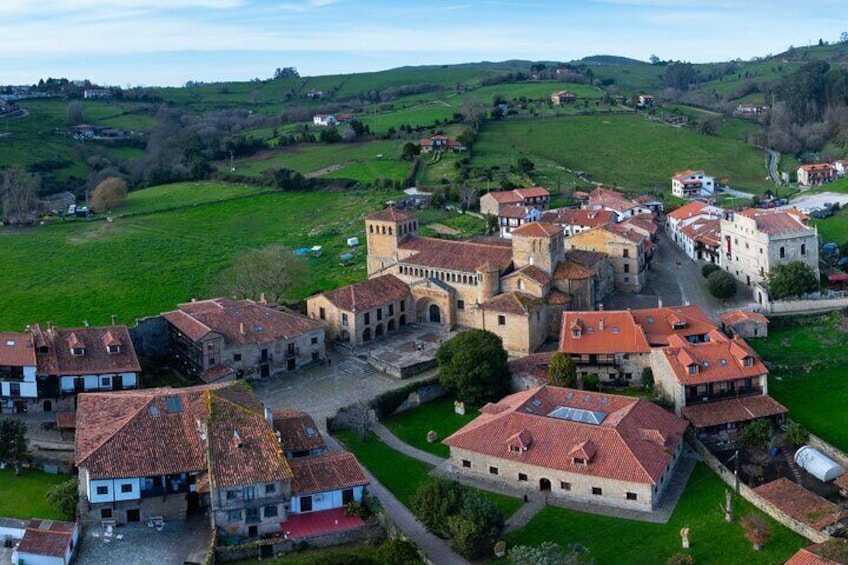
<point x="808" y="203"/>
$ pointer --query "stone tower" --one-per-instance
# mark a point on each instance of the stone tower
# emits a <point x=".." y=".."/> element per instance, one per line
<point x="539" y="244"/>
<point x="385" y="230"/>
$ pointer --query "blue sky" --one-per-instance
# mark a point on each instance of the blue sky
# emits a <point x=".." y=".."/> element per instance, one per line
<point x="168" y="42"/>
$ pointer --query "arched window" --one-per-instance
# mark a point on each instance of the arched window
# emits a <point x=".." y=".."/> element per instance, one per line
<point x="390" y="230"/>
<point x="782" y="252"/>
<point x="803" y="249"/>
<point x="371" y="228"/>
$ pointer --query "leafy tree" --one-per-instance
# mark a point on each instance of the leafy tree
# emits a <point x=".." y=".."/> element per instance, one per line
<point x="549" y="553"/>
<point x="286" y="72"/>
<point x="397" y="552"/>
<point x="525" y="165"/>
<point x="648" y="378"/>
<point x="721" y="284"/>
<point x="796" y="434"/>
<point x="13" y="443"/>
<point x="64" y="497"/>
<point x="410" y="151"/>
<point x="473" y="366"/>
<point x="271" y="270"/>
<point x="476" y="527"/>
<point x="654" y="59"/>
<point x="434" y="501"/>
<point x="791" y="279"/>
<point x="18" y="189"/>
<point x="756" y="434"/>
<point x="591" y="382"/>
<point x="109" y="194"/>
<point x="680" y="75"/>
<point x="757" y="530"/>
<point x="709" y="269"/>
<point x="562" y="370"/>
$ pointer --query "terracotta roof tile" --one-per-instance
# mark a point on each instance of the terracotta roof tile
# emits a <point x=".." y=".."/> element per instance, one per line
<point x="660" y="323"/>
<point x="814" y="167"/>
<point x="458" y="255"/>
<point x="806" y="556"/>
<point x="239" y="321"/>
<point x="533" y="273"/>
<point x="536" y="229"/>
<point x="515" y="211"/>
<point x="297" y="431"/>
<point x="512" y="303"/>
<point x="368" y="294"/>
<point x="714" y="361"/>
<point x="96" y="359"/>
<point x="582" y="217"/>
<point x="391" y="214"/>
<point x="585" y="258"/>
<point x="535" y="365"/>
<point x="801" y="504"/>
<point x="329" y="471"/>
<point x="611" y="200"/>
<point x="776" y="222"/>
<point x="734" y="410"/>
<point x="556" y="297"/>
<point x="45" y="537"/>
<point x="735" y="316"/>
<point x="568" y="270"/>
<point x="16" y="350"/>
<point x="532" y="192"/>
<point x="602" y="332"/>
<point x="505" y="197"/>
<point x="621" y="450"/>
<point x="216" y="373"/>
<point x="687" y="210"/>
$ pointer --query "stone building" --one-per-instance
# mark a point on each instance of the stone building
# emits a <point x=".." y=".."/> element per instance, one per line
<point x="755" y="241"/>
<point x="223" y="338"/>
<point x="582" y="446"/>
<point x="628" y="252"/>
<point x="493" y="203"/>
<point x="745" y="324"/>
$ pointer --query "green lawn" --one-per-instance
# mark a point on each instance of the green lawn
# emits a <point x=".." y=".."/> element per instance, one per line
<point x="318" y="556"/>
<point x="184" y="194"/>
<point x="806" y="356"/>
<point x="23" y="496"/>
<point x="401" y="474"/>
<point x="614" y="541"/>
<point x="412" y="426"/>
<point x="619" y="150"/>
<point x="146" y="264"/>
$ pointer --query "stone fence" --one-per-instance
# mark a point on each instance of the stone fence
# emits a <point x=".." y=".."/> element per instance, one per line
<point x="805" y="306"/>
<point x="755" y="499"/>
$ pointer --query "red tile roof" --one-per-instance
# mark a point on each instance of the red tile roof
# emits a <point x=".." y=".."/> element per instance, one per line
<point x="217" y="373"/>
<point x="536" y="229"/>
<point x="16" y="349"/>
<point x="219" y="428"/>
<point x="555" y="297"/>
<point x="633" y="442"/>
<point x="611" y="200"/>
<point x="734" y="410"/>
<point x="533" y="273"/>
<point x="333" y="470"/>
<point x="645" y="222"/>
<point x="601" y="332"/>
<point x="458" y="255"/>
<point x="805" y="506"/>
<point x="814" y="167"/>
<point x="687" y="210"/>
<point x="505" y="197"/>
<point x="368" y="294"/>
<point x="297" y="431"/>
<point x="391" y="214"/>
<point x="96" y="359"/>
<point x="806" y="556"/>
<point x="531" y="192"/>
<point x="685" y="174"/>
<point x="660" y="323"/>
<point x="775" y="222"/>
<point x="586" y="258"/>
<point x="515" y="302"/>
<point x="582" y="217"/>
<point x="715" y="361"/>
<point x="736" y="316"/>
<point x="45" y="537"/>
<point x="515" y="211"/>
<point x="304" y="526"/>
<point x="239" y="321"/>
<point x="568" y="270"/>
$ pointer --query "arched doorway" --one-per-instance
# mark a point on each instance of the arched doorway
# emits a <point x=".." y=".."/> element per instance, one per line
<point x="366" y="335"/>
<point x="345" y="336"/>
<point x="390" y="327"/>
<point x="402" y="320"/>
<point x="48" y="405"/>
<point x="378" y="331"/>
<point x="435" y="314"/>
<point x="544" y="485"/>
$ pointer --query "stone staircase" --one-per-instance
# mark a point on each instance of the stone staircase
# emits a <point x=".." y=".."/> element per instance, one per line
<point x="793" y="468"/>
<point x="357" y="367"/>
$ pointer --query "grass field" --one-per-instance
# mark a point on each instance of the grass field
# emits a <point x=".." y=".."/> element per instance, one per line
<point x="23" y="496"/>
<point x="622" y="150"/>
<point x="183" y="195"/>
<point x="402" y="475"/>
<point x="806" y="356"/>
<point x="613" y="541"/>
<point x="146" y="264"/>
<point x="412" y="426"/>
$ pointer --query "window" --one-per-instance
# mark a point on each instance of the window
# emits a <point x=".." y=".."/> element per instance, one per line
<point x="460" y="304"/>
<point x="403" y="305"/>
<point x="105" y="513"/>
<point x="231" y="495"/>
<point x="501" y="320"/>
<point x="314" y="340"/>
<point x="249" y="493"/>
<point x="748" y="361"/>
<point x="251" y="515"/>
<point x="236" y="357"/>
<point x="625" y="253"/>
<point x="514" y="449"/>
<point x="466" y="463"/>
<point x="632" y="496"/>
<point x="579" y="461"/>
<point x="210" y="346"/>
<point x="322" y="313"/>
<point x="235" y="516"/>
<point x="367" y="318"/>
<point x="522" y="477"/>
<point x="102" y="491"/>
<point x="270" y="511"/>
<point x="114" y="349"/>
<point x="783" y="253"/>
<point x="270" y="488"/>
<point x="105" y="381"/>
<point x="14" y="389"/>
<point x="126" y="488"/>
<point x="344" y="320"/>
<point x="627" y="267"/>
<point x="379" y="313"/>
<point x="803" y="249"/>
<point x="565" y="485"/>
<point x="211" y="361"/>
<point x="306" y="504"/>
<point x="693" y="369"/>
<point x="493" y="470"/>
<point x="78" y="351"/>
<point x="391" y="309"/>
<point x="597" y="491"/>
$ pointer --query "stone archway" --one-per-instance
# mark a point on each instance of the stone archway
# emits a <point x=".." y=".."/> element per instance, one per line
<point x="378" y="331"/>
<point x="366" y="335"/>
<point x="434" y="314"/>
<point x="390" y="326"/>
<point x="544" y="485"/>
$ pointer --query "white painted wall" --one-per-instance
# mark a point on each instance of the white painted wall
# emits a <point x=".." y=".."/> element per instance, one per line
<point x="28" y="390"/>
<point x="113" y="490"/>
<point x="324" y="500"/>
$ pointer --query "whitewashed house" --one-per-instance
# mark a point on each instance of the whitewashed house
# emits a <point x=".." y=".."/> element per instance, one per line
<point x="692" y="184"/>
<point x="324" y="120"/>
<point x="47" y="542"/>
<point x="18" y="387"/>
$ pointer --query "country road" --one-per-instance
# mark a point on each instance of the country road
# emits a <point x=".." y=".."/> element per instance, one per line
<point x="773" y="159"/>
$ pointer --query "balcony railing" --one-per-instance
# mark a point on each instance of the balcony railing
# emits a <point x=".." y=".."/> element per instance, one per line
<point x="723" y="395"/>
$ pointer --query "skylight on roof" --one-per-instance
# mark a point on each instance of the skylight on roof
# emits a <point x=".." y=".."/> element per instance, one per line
<point x="10" y="342"/>
<point x="154" y="411"/>
<point x="615" y="329"/>
<point x="650" y="319"/>
<point x="593" y="417"/>
<point x="536" y="402"/>
<point x="175" y="404"/>
<point x="706" y="364"/>
<point x="310" y="431"/>
<point x="723" y="361"/>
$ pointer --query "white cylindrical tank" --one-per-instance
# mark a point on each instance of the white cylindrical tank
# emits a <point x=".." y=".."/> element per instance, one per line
<point x="818" y="464"/>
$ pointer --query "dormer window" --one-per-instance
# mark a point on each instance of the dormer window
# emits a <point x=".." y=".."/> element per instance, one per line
<point x="514" y="449"/>
<point x="77" y="351"/>
<point x="579" y="461"/>
<point x="748" y="361"/>
<point x="693" y="369"/>
<point x="114" y="348"/>
<point x="576" y="332"/>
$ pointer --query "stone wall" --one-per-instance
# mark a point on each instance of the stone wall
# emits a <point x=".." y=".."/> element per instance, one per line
<point x="755" y="499"/>
<point x="783" y="307"/>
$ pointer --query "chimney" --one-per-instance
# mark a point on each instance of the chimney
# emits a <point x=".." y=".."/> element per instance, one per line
<point x="263" y="299"/>
<point x="659" y="302"/>
<point x="601" y="325"/>
<point x="601" y="307"/>
<point x="269" y="415"/>
<point x="237" y="438"/>
<point x="241" y="328"/>
<point x="114" y="319"/>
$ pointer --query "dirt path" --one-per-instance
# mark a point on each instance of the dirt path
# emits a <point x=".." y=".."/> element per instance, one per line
<point x="443" y="229"/>
<point x="325" y="170"/>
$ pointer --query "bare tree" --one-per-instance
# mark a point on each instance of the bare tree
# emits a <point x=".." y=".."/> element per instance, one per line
<point x="271" y="270"/>
<point x="468" y="196"/>
<point x="109" y="194"/>
<point x="473" y="111"/>
<point x="76" y="112"/>
<point x="19" y="189"/>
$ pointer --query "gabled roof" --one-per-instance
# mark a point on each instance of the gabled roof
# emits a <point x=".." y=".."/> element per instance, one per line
<point x="514" y="302"/>
<point x="531" y="192"/>
<point x="633" y="441"/>
<point x="808" y="556"/>
<point x="47" y="537"/>
<point x="660" y="323"/>
<point x="584" y="217"/>
<point x="815" y="167"/>
<point x="458" y="255"/>
<point x="736" y="316"/>
<point x="776" y="222"/>
<point x="715" y="361"/>
<point x="515" y="211"/>
<point x="602" y="332"/>
<point x="801" y="504"/>
<point x="216" y="428"/>
<point x="569" y="270"/>
<point x="334" y="470"/>
<point x="297" y="431"/>
<point x="585" y="258"/>
<point x="536" y="229"/>
<point x="535" y="365"/>
<point x="517" y="195"/>
<point x="687" y="210"/>
<point x="16" y="349"/>
<point x="58" y="360"/>
<point x="611" y="200"/>
<point x="391" y="214"/>
<point x="682" y="175"/>
<point x="742" y="409"/>
<point x="533" y="273"/>
<point x="239" y="321"/>
<point x="368" y="294"/>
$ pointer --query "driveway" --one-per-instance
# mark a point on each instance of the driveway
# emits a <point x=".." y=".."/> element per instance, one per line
<point x="806" y="202"/>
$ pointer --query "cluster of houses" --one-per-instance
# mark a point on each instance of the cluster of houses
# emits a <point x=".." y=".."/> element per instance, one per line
<point x="747" y="244"/>
<point x="816" y="174"/>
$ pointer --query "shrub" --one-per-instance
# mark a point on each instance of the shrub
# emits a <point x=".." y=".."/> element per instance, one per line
<point x="680" y="559"/>
<point x="473" y="365"/>
<point x="109" y="194"/>
<point x="709" y="269"/>
<point x="562" y="371"/>
<point x="722" y="285"/>
<point x="792" y="279"/>
<point x="648" y="378"/>
<point x="756" y="434"/>
<point x="591" y="382"/>
<point x="757" y="530"/>
<point x="397" y="552"/>
<point x="796" y="434"/>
